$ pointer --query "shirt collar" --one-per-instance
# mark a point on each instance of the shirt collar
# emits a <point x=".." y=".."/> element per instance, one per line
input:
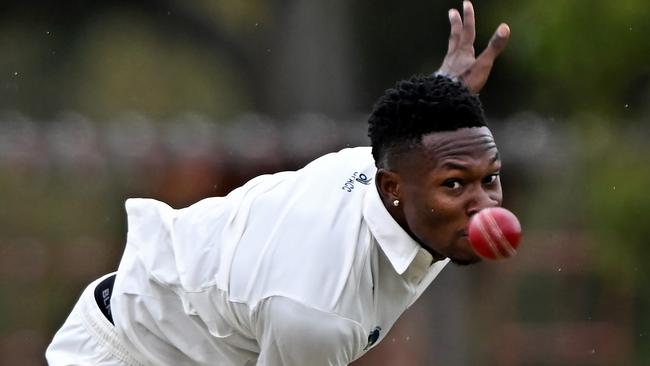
<point x="396" y="243"/>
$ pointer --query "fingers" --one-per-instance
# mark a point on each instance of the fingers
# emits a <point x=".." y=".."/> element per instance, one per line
<point x="497" y="44"/>
<point x="456" y="25"/>
<point x="469" y="26"/>
<point x="460" y="60"/>
<point x="480" y="70"/>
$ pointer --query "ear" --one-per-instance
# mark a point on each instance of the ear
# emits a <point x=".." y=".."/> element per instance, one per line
<point x="388" y="184"/>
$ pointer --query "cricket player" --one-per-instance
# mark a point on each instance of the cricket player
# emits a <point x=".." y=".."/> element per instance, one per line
<point x="308" y="267"/>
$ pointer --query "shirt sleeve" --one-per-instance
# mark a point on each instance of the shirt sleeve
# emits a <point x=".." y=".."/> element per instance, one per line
<point x="292" y="334"/>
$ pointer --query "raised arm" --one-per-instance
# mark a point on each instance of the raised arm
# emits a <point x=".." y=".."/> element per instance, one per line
<point x="460" y="61"/>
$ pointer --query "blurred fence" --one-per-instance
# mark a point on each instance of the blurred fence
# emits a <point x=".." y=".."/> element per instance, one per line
<point x="131" y="139"/>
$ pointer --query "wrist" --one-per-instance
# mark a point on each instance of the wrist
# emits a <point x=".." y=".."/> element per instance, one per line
<point x="447" y="75"/>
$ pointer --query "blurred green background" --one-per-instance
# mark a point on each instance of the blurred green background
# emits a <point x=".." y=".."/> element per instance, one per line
<point x="180" y="100"/>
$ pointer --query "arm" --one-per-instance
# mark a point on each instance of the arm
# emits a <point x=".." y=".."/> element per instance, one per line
<point x="460" y="61"/>
<point x="292" y="334"/>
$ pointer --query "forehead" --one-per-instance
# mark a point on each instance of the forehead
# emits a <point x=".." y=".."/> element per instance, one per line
<point x="475" y="144"/>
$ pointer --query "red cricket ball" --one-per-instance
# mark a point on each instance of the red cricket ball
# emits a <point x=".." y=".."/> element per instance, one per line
<point x="494" y="233"/>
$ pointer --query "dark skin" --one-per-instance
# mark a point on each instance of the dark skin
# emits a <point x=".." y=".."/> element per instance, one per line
<point x="449" y="176"/>
<point x="440" y="185"/>
<point x="460" y="61"/>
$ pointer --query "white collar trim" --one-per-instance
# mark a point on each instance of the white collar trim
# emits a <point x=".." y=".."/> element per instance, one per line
<point x="396" y="243"/>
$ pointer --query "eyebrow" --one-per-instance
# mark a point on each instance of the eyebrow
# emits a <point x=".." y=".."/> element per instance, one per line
<point x="495" y="158"/>
<point x="456" y="166"/>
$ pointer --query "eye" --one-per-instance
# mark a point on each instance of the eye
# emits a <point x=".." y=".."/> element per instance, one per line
<point x="491" y="178"/>
<point x="454" y="184"/>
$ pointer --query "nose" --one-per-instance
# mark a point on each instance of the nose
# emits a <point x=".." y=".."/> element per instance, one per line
<point x="481" y="199"/>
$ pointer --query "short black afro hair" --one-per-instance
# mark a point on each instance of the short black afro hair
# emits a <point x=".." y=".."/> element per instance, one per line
<point x="419" y="106"/>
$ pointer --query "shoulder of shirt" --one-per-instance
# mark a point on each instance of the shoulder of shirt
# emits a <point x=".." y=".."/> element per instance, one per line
<point x="347" y="156"/>
<point x="331" y="170"/>
<point x="328" y="191"/>
<point x="355" y="158"/>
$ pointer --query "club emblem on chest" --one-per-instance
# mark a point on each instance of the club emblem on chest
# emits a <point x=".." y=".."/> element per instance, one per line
<point x="373" y="337"/>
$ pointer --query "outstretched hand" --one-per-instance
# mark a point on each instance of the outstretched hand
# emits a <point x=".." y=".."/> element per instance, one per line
<point x="460" y="61"/>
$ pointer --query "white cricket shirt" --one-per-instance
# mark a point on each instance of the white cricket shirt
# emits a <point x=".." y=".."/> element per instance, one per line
<point x="295" y="268"/>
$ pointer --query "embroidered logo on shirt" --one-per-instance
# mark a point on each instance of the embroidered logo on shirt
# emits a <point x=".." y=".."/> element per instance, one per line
<point x="348" y="186"/>
<point x="373" y="337"/>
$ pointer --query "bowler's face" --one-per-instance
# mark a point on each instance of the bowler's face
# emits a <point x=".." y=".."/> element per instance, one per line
<point x="448" y="179"/>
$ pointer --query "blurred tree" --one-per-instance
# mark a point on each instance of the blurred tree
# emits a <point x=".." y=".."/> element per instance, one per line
<point x="616" y="182"/>
<point x="158" y="57"/>
<point x="581" y="55"/>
